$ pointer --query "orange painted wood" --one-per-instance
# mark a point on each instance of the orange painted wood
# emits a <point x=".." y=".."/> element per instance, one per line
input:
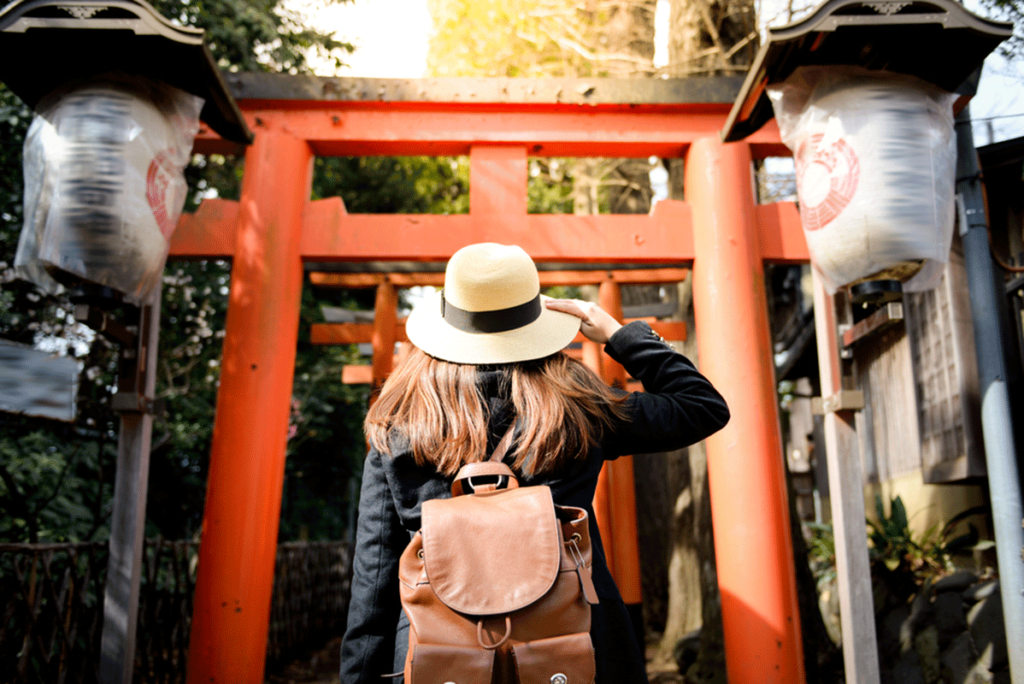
<point x="547" y="278"/>
<point x="209" y="233"/>
<point x="672" y="331"/>
<point x="664" y="236"/>
<point x="635" y="276"/>
<point x="383" y="338"/>
<point x="446" y="129"/>
<point x="780" y="236"/>
<point x="364" y="280"/>
<point x="350" y="333"/>
<point x="356" y="374"/>
<point x="621" y="488"/>
<point x="331" y="234"/>
<point x="231" y="610"/>
<point x="497" y="183"/>
<point x="749" y="504"/>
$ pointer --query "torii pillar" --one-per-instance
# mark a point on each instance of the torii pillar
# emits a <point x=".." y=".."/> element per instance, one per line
<point x="749" y="503"/>
<point x="231" y="609"/>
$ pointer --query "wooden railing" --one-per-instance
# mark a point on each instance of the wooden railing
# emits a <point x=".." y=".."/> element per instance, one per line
<point x="51" y="607"/>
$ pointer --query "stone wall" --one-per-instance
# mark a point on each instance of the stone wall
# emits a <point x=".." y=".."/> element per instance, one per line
<point x="951" y="632"/>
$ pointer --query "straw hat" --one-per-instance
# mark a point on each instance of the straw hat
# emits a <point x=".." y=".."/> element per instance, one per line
<point x="490" y="310"/>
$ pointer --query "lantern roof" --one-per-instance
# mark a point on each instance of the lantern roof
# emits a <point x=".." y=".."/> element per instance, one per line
<point x="935" y="40"/>
<point x="45" y="44"/>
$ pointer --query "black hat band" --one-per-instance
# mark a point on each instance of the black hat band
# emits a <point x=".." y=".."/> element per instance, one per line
<point x="498" y="320"/>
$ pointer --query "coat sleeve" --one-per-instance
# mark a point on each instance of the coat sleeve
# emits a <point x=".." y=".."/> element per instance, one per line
<point x="678" y="406"/>
<point x="367" y="649"/>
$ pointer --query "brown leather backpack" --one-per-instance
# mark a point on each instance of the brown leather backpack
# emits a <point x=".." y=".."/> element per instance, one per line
<point x="496" y="585"/>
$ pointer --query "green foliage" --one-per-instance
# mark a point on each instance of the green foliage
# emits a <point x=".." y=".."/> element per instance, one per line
<point x="550" y="186"/>
<point x="49" y="486"/>
<point x="901" y="562"/>
<point x="256" y="35"/>
<point x="14" y="120"/>
<point x="894" y="545"/>
<point x="395" y="185"/>
<point x="821" y="552"/>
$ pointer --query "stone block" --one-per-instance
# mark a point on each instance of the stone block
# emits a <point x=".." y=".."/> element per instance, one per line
<point x="950" y="619"/>
<point x="958" y="581"/>
<point x="958" y="660"/>
<point x="908" y="669"/>
<point x="926" y="644"/>
<point x="981" y="590"/>
<point x="896" y="634"/>
<point x="985" y="619"/>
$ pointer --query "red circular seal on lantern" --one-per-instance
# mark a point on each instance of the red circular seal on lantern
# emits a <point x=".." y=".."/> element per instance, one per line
<point x="827" y="177"/>
<point x="162" y="191"/>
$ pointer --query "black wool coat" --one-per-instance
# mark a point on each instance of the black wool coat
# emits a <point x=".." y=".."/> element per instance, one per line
<point x="678" y="407"/>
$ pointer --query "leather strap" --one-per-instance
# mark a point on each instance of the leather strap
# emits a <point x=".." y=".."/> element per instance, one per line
<point x="504" y="444"/>
<point x="492" y="466"/>
<point x="485" y="468"/>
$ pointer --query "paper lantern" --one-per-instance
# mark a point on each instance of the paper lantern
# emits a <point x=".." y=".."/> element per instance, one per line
<point x="104" y="184"/>
<point x="875" y="154"/>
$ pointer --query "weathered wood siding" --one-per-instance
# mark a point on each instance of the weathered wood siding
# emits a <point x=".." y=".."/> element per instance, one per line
<point x="887" y="427"/>
<point x="946" y="377"/>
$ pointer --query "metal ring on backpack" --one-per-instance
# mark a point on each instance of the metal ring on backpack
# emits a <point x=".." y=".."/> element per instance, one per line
<point x="502" y="483"/>
<point x="480" y="634"/>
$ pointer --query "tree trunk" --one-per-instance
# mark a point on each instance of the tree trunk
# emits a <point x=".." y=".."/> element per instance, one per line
<point x="711" y="37"/>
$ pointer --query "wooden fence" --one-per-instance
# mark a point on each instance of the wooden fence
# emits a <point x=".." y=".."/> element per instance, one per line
<point x="51" y="607"/>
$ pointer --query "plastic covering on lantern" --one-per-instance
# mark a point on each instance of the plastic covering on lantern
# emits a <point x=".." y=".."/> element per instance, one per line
<point x="875" y="154"/>
<point x="104" y="184"/>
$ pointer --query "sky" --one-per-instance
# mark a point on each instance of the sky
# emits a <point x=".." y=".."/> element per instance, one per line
<point x="391" y="42"/>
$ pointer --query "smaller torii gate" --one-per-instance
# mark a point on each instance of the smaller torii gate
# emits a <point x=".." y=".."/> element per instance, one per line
<point x="720" y="232"/>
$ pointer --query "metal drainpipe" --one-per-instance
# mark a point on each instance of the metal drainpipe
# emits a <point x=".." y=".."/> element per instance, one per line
<point x="997" y="427"/>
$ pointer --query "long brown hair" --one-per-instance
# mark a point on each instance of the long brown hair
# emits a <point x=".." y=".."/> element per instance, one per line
<point x="437" y="407"/>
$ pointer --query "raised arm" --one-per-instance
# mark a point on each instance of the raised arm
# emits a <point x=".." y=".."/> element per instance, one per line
<point x="678" y="406"/>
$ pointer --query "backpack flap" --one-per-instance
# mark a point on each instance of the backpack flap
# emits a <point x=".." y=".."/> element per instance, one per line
<point x="491" y="553"/>
<point x="558" y="660"/>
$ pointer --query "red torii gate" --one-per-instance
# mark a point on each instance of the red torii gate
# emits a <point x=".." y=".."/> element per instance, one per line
<point x="274" y="228"/>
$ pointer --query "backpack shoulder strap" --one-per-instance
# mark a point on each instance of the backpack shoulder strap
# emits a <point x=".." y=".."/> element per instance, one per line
<point x="504" y="444"/>
<point x="491" y="467"/>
